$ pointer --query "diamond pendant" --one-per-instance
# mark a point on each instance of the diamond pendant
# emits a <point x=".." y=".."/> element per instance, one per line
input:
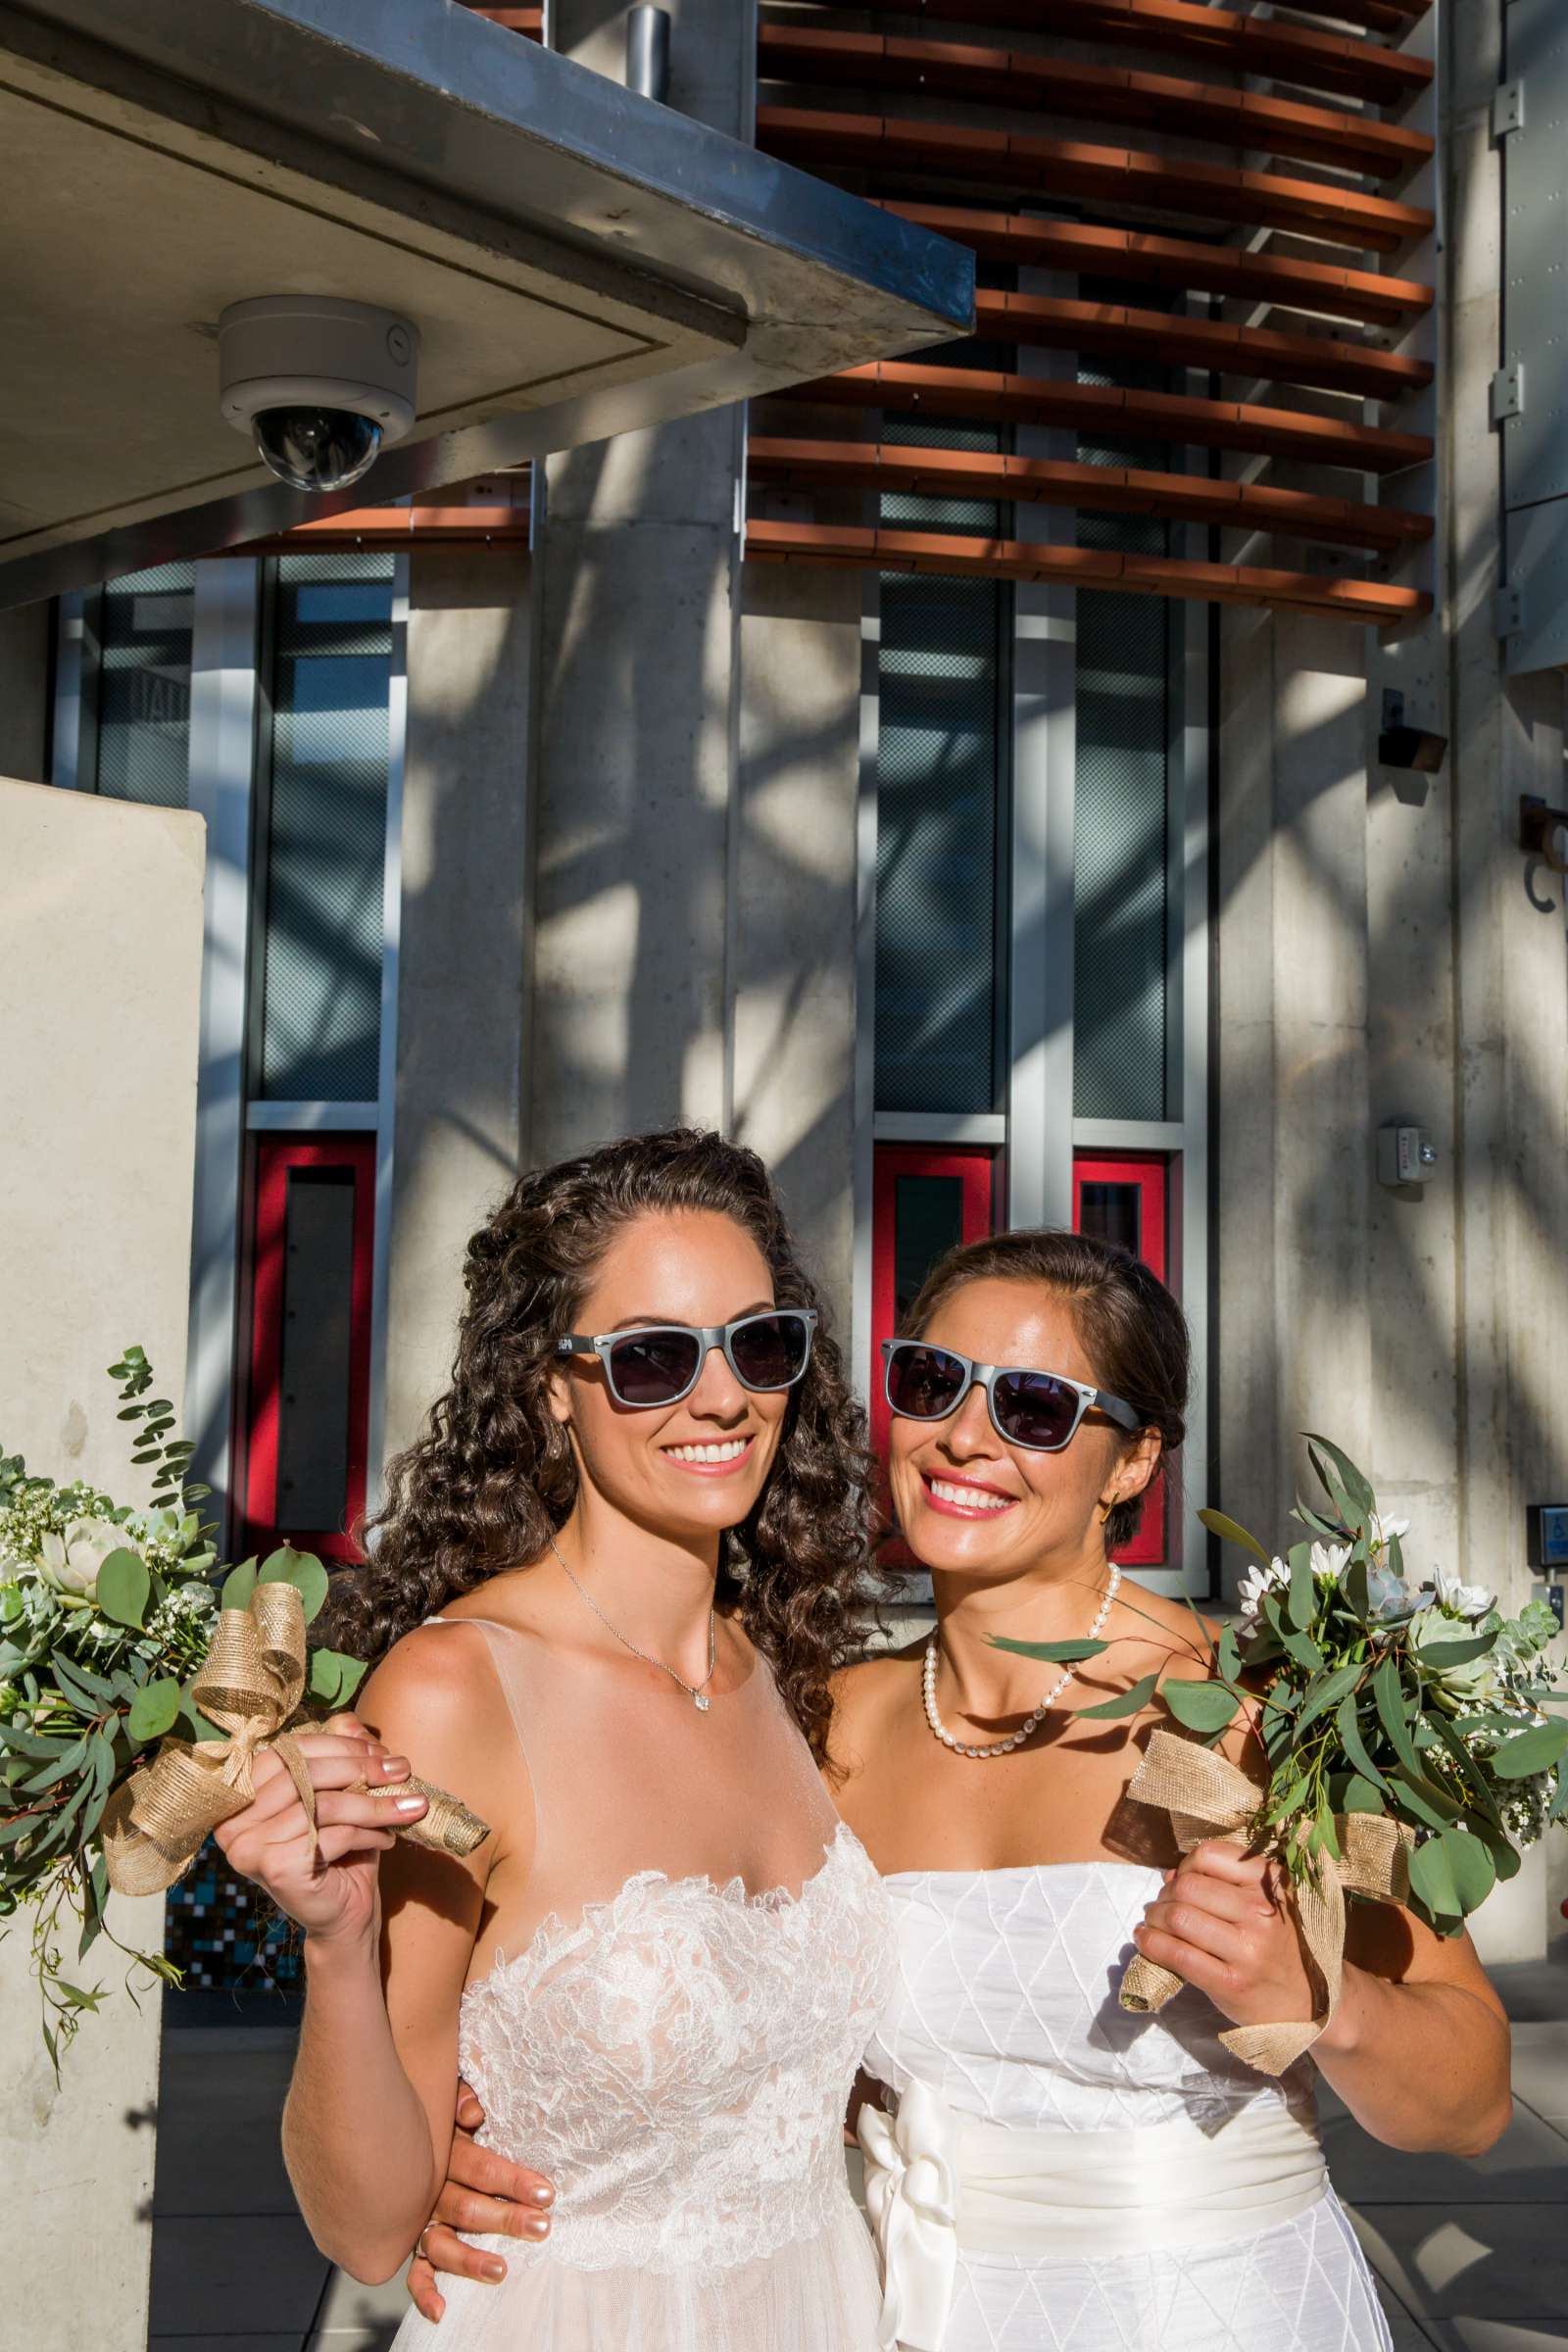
<point x="701" y="1701"/>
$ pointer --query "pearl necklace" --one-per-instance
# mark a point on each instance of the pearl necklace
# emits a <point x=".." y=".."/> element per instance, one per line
<point x="983" y="1750"/>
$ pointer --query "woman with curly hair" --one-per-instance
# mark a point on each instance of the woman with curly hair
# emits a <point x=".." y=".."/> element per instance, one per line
<point x="606" y="1595"/>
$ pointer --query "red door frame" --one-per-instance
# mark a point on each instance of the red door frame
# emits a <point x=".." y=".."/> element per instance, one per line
<point x="275" y="1155"/>
<point x="1149" y="1172"/>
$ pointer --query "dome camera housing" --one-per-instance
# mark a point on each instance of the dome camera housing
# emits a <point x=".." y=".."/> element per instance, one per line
<point x="320" y="383"/>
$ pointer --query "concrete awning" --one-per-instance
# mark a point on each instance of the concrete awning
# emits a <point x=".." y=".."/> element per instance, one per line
<point x="579" y="260"/>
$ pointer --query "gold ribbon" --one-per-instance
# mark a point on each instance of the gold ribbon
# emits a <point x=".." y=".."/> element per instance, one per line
<point x="251" y="1684"/>
<point x="1207" y="1796"/>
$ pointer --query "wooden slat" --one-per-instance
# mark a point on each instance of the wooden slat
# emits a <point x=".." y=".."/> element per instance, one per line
<point x="1367" y="601"/>
<point x="1027" y="241"/>
<point x="1055" y="324"/>
<point x="1225" y="38"/>
<point x="531" y="22"/>
<point x="402" y="526"/>
<point x="1123" y="176"/>
<point x="1099" y="489"/>
<point x="1020" y="77"/>
<point x="1108" y="412"/>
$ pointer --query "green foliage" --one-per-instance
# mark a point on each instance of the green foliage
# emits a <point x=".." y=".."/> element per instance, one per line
<point x="1205" y="1707"/>
<point x="1052" y="1654"/>
<point x="124" y="1588"/>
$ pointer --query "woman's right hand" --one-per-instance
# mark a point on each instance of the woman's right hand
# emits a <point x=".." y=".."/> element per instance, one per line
<point x="332" y="1891"/>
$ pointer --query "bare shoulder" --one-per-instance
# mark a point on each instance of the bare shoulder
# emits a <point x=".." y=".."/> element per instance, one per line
<point x="864" y="1694"/>
<point x="1154" y="1631"/>
<point x="435" y="1699"/>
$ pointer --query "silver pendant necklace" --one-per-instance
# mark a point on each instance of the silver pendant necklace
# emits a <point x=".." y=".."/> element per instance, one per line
<point x="694" y="1692"/>
<point x="982" y="1751"/>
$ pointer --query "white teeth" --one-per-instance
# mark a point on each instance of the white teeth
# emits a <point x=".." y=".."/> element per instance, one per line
<point x="729" y="1451"/>
<point x="971" y="1499"/>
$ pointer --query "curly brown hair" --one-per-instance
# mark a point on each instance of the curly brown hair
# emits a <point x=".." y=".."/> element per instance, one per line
<point x="1133" y="1332"/>
<point x="492" y="1474"/>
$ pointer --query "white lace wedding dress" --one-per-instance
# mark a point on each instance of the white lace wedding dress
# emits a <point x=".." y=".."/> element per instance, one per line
<point x="675" y="2055"/>
<point x="1065" y="2177"/>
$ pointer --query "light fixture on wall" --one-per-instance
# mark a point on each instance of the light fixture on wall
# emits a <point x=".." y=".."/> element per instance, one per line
<point x="1406" y="1155"/>
<point x="320" y="383"/>
<point x="1403" y="746"/>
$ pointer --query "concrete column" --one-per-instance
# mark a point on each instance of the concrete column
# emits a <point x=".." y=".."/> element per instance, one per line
<point x="1293" y="1343"/>
<point x="24" y="635"/>
<point x="100" y="993"/>
<point x="791" y="1009"/>
<point x="463" y="947"/>
<point x="638" y="626"/>
<point x="1511" y="1001"/>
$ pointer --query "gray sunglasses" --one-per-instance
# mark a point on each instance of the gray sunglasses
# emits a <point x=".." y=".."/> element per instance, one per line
<point x="660" y="1364"/>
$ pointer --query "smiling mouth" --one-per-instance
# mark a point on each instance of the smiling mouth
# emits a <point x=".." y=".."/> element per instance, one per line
<point x="963" y="1499"/>
<point x="711" y="1460"/>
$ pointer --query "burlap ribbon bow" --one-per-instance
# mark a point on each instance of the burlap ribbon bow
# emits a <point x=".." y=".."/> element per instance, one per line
<point x="1207" y="1796"/>
<point x="250" y="1683"/>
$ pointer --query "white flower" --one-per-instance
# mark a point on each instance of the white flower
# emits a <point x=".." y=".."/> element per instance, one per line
<point x="1460" y="1600"/>
<point x="1380" y="1533"/>
<point x="1256" y="1583"/>
<point x="1329" y="1559"/>
<point x="70" y="1562"/>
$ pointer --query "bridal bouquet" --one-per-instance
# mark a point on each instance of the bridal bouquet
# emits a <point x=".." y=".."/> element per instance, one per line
<point x="1403" y="1749"/>
<point x="119" y="1628"/>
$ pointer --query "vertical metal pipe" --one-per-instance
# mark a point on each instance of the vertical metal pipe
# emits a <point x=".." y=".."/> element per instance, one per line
<point x="647" y="52"/>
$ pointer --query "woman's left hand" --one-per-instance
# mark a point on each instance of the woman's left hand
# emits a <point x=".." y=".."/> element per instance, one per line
<point x="1225" y="1922"/>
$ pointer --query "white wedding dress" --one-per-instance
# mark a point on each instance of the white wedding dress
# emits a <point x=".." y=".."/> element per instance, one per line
<point x="1062" y="2177"/>
<point x="675" y="2055"/>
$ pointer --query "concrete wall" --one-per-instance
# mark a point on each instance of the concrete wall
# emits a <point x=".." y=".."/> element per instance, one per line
<point x="100" y="974"/>
<point x="463" y="990"/>
<point x="1380" y="959"/>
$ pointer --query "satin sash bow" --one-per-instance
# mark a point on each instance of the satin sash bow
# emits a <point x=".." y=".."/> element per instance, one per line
<point x="938" y="2185"/>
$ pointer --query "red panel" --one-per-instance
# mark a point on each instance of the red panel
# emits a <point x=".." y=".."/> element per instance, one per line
<point x="1146" y="1175"/>
<point x="258" y="1483"/>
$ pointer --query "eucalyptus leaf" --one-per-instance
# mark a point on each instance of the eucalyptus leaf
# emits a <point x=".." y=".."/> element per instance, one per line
<point x="1302" y="1605"/>
<point x="1438" y="1655"/>
<point x="1432" y="1879"/>
<point x="1230" y="1531"/>
<point x="1305" y="1650"/>
<point x="1528" y="1752"/>
<point x="326" y="1676"/>
<point x="1363" y="1797"/>
<point x="1053" y="1653"/>
<point x="1471" y="1868"/>
<point x="89" y="1692"/>
<point x="1347" y="1724"/>
<point x="1388" y="1693"/>
<point x="301" y="1569"/>
<point x="123" y="1584"/>
<point x="1326" y="1694"/>
<point x="155" y="1710"/>
<point x="69" y="1760"/>
<point x="1202" y="1706"/>
<point x="1126" y="1702"/>
<point x="1354" y="1483"/>
<point x="238" y="1586"/>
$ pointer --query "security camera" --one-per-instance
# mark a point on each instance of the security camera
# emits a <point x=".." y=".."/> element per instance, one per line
<point x="320" y="383"/>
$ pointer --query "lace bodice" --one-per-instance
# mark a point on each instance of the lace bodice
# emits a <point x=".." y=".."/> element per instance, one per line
<point x="678" y="2061"/>
<point x="1006" y="2001"/>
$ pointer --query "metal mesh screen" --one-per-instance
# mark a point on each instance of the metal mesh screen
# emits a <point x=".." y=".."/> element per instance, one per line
<point x="144" y="640"/>
<point x="326" y="832"/>
<point x="937" y="764"/>
<point x="1120" y="889"/>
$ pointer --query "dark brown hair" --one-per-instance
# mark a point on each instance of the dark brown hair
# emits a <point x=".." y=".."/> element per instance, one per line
<point x="1133" y="1332"/>
<point x="493" y="1473"/>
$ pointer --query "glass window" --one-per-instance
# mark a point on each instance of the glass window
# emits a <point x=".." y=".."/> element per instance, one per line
<point x="144" y="640"/>
<point x="1122" y="795"/>
<point x="938" y="769"/>
<point x="326" y="841"/>
<point x="314" y="1371"/>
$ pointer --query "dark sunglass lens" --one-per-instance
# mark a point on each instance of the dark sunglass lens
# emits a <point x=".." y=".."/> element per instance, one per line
<point x="770" y="1351"/>
<point x="1035" y="1409"/>
<point x="923" y="1382"/>
<point x="652" y="1367"/>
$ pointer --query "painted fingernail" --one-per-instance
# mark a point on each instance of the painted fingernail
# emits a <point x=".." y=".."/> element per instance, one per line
<point x="494" y="2270"/>
<point x="537" y="2225"/>
<point x="408" y="1804"/>
<point x="544" y="2195"/>
<point x="394" y="1768"/>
